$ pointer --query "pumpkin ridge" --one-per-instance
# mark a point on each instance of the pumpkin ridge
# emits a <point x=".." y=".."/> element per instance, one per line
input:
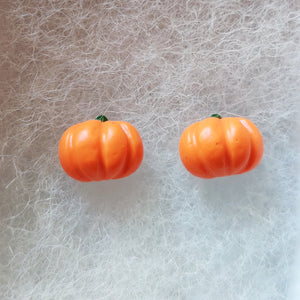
<point x="246" y="156"/>
<point x="228" y="152"/>
<point x="101" y="153"/>
<point x="220" y="128"/>
<point x="209" y="171"/>
<point x="80" y="168"/>
<point x="236" y="167"/>
<point x="248" y="163"/>
<point x="244" y="168"/>
<point x="100" y="164"/>
<point x="126" y="161"/>
<point x="252" y="132"/>
<point x="130" y="164"/>
<point x="106" y="153"/>
<point x="72" y="157"/>
<point x="130" y="148"/>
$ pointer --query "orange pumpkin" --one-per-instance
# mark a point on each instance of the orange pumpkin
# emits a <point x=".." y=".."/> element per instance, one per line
<point x="217" y="147"/>
<point x="99" y="149"/>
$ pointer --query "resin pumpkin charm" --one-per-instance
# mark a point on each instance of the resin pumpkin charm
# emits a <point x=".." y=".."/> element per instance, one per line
<point x="99" y="149"/>
<point x="217" y="147"/>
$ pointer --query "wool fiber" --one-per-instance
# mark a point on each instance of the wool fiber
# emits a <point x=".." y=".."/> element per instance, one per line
<point x="160" y="233"/>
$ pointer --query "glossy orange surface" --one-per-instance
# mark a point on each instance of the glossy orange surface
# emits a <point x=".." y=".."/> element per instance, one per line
<point x="221" y="147"/>
<point x="95" y="150"/>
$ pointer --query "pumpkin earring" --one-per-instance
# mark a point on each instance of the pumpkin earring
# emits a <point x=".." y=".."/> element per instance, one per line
<point x="99" y="149"/>
<point x="217" y="147"/>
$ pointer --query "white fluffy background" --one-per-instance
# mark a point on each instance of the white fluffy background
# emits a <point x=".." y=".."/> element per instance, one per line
<point x="161" y="233"/>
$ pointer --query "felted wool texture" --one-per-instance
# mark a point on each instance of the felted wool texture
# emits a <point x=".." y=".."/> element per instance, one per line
<point x="160" y="233"/>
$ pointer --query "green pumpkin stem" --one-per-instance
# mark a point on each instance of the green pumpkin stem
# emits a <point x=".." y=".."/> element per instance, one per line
<point x="216" y="116"/>
<point x="102" y="118"/>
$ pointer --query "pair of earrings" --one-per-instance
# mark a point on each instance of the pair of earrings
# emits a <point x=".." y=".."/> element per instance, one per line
<point x="99" y="149"/>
